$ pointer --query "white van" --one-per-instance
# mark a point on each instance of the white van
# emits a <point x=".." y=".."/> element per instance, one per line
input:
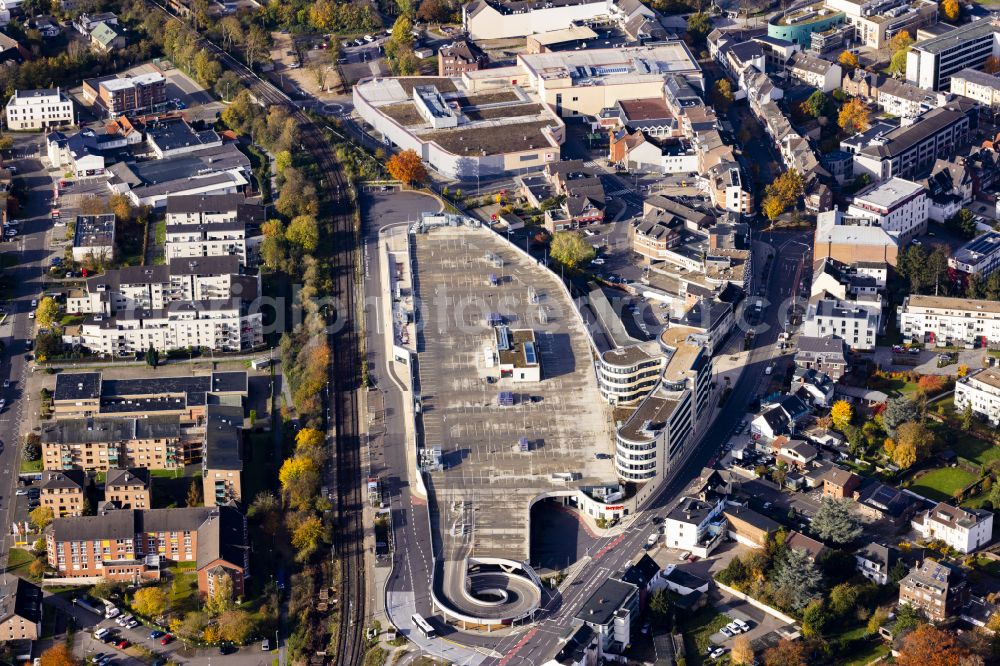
<point x="101" y="633"/>
<point x="652" y="539"/>
<point x="111" y="611"/>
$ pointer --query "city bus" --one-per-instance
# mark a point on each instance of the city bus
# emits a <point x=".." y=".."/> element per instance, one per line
<point x="421" y="625"/>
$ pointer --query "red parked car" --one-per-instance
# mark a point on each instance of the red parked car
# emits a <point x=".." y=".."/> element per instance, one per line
<point x="166" y="639"/>
<point x="122" y="644"/>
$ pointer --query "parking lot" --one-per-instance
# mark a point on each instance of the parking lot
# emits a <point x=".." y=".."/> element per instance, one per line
<point x="761" y="626"/>
<point x="485" y="467"/>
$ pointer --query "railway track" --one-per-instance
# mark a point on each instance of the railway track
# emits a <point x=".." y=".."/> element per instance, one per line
<point x="345" y="370"/>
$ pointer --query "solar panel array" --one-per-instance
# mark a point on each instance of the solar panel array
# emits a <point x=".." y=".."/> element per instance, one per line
<point x="530" y="357"/>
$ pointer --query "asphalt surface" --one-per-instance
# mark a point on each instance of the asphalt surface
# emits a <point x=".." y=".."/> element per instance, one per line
<point x="407" y="587"/>
<point x="32" y="254"/>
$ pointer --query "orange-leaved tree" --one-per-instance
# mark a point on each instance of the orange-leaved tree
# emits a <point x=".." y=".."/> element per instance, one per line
<point x="407" y="167"/>
<point x="930" y="646"/>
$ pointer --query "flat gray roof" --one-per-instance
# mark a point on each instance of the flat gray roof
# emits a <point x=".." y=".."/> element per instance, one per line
<point x="974" y="30"/>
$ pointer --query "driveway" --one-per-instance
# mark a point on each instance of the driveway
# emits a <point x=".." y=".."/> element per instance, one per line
<point x="761" y="623"/>
<point x="974" y="358"/>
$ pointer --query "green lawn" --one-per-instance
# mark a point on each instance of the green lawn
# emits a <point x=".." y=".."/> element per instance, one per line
<point x="697" y="629"/>
<point x="166" y="473"/>
<point x="878" y="649"/>
<point x="966" y="445"/>
<point x="183" y="591"/>
<point x="170" y="492"/>
<point x="18" y="559"/>
<point x="28" y="466"/>
<point x="941" y="483"/>
<point x="890" y="386"/>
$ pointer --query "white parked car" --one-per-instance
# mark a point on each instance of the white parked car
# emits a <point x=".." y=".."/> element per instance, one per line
<point x="597" y="262"/>
<point x="725" y="631"/>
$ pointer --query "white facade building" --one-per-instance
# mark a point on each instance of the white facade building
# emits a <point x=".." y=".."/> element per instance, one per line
<point x="655" y="436"/>
<point x="981" y="391"/>
<point x="816" y="72"/>
<point x="216" y="240"/>
<point x="965" y="530"/>
<point x="39" y="109"/>
<point x="949" y="321"/>
<point x="856" y="324"/>
<point x="906" y="100"/>
<point x="694" y="525"/>
<point x="221" y="325"/>
<point x="930" y="63"/>
<point x="211" y="226"/>
<point x="980" y="255"/>
<point x="157" y="287"/>
<point x="504" y="20"/>
<point x="897" y="205"/>
<point x="980" y="86"/>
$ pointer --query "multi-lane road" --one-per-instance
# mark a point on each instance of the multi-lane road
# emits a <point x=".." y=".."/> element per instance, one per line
<point x="407" y="588"/>
<point x="28" y="256"/>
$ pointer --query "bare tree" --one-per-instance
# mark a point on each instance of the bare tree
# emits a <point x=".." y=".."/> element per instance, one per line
<point x="232" y="32"/>
<point x="256" y="41"/>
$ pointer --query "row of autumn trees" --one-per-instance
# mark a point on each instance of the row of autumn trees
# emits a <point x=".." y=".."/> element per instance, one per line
<point x="293" y="246"/>
<point x="922" y="645"/>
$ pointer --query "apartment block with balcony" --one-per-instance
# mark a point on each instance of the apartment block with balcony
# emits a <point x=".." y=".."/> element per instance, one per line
<point x="221" y="325"/>
<point x="940" y="320"/>
<point x="133" y="545"/>
<point x="655" y="435"/>
<point x="222" y="463"/>
<point x="182" y="280"/>
<point x="100" y="444"/>
<point x="64" y="492"/>
<point x="981" y="392"/>
<point x="626" y="375"/>
<point x="910" y="151"/>
<point x="980" y="256"/>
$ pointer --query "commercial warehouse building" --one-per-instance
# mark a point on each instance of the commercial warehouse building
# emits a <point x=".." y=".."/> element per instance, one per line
<point x="460" y="133"/>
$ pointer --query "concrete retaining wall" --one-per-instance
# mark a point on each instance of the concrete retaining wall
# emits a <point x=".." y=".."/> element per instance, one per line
<point x="774" y="612"/>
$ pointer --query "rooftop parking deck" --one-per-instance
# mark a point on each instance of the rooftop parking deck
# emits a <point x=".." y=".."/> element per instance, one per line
<point x="484" y="492"/>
